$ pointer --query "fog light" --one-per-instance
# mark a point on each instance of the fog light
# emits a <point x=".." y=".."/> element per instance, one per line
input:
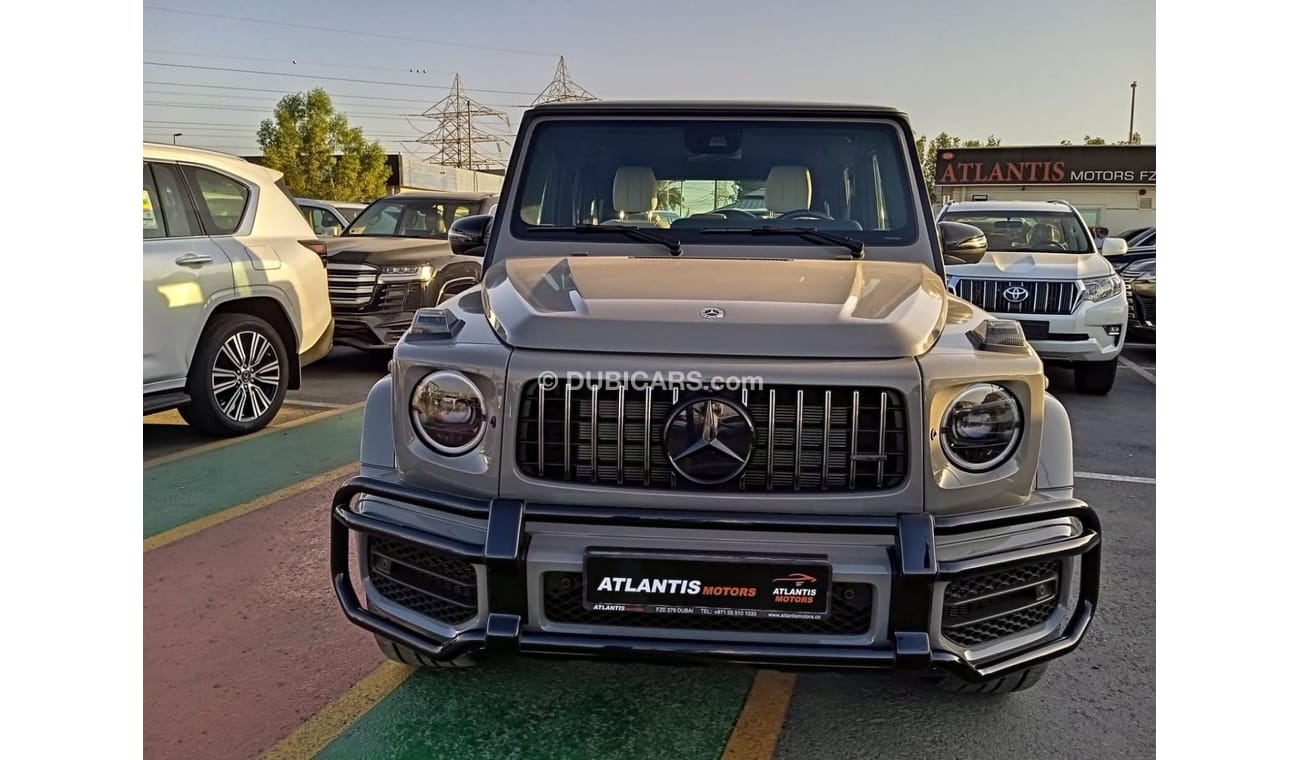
<point x="1112" y="330"/>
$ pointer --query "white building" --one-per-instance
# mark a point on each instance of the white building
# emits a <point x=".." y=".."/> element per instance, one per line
<point x="1112" y="185"/>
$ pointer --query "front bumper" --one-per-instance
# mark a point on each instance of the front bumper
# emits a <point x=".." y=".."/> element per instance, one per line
<point x="914" y="574"/>
<point x="1096" y="331"/>
<point x="375" y="330"/>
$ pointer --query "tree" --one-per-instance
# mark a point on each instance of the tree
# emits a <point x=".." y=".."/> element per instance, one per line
<point x="670" y="195"/>
<point x="320" y="154"/>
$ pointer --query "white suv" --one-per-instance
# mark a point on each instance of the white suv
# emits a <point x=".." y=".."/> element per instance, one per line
<point x="1043" y="269"/>
<point x="235" y="295"/>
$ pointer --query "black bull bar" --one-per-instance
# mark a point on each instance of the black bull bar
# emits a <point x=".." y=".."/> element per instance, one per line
<point x="912" y="556"/>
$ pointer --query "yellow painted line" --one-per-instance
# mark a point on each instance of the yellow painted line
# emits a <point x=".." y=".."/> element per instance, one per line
<point x="203" y="523"/>
<point x="203" y="449"/>
<point x="336" y="717"/>
<point x="758" y="728"/>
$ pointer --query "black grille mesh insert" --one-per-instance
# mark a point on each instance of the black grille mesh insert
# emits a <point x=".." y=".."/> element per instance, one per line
<point x="438" y="585"/>
<point x="850" y="612"/>
<point x="993" y="604"/>
<point x="1035" y="297"/>
<point x="557" y="440"/>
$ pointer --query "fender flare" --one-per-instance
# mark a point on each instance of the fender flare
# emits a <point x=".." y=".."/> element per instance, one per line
<point x="377" y="443"/>
<point x="1056" y="451"/>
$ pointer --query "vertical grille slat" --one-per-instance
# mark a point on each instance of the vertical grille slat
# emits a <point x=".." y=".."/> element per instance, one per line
<point x="805" y="437"/>
<point x="1045" y="296"/>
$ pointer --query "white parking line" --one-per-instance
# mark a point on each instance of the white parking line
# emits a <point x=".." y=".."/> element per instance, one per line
<point x="314" y="404"/>
<point x="1128" y="363"/>
<point x="1117" y="478"/>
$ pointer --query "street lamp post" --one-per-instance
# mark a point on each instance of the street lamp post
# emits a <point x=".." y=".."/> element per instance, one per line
<point x="1131" y="106"/>
<point x="176" y="135"/>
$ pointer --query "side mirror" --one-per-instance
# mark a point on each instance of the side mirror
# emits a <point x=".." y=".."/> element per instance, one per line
<point x="961" y="243"/>
<point x="1114" y="246"/>
<point x="469" y="234"/>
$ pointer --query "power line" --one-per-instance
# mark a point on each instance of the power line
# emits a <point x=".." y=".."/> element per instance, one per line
<point x="332" y="95"/>
<point x="224" y="107"/>
<point x="297" y="62"/>
<point x="333" y="79"/>
<point x="347" y="31"/>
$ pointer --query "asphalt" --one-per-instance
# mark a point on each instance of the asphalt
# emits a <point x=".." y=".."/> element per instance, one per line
<point x="246" y="647"/>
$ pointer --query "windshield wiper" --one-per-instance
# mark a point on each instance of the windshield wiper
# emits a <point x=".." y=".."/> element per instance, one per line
<point x="673" y="245"/>
<point x="858" y="248"/>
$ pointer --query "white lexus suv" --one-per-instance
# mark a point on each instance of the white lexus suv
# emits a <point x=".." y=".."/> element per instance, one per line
<point x="1043" y="269"/>
<point x="236" y="300"/>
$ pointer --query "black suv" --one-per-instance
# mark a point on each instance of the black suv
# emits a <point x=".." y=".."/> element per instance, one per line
<point x="395" y="258"/>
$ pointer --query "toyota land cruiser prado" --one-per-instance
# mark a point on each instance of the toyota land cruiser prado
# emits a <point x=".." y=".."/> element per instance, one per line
<point x="774" y="440"/>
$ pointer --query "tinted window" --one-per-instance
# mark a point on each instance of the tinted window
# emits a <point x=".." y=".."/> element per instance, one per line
<point x="222" y="200"/>
<point x="322" y="220"/>
<point x="409" y="217"/>
<point x="153" y="224"/>
<point x="1048" y="231"/>
<point x="849" y="178"/>
<point x="178" y="213"/>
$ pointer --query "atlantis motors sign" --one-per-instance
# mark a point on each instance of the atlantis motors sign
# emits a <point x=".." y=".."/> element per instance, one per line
<point x="1054" y="165"/>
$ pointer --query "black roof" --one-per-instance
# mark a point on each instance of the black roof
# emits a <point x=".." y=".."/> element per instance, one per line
<point x="715" y="106"/>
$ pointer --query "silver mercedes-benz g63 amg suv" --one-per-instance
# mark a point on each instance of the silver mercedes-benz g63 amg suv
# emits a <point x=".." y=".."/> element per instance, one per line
<point x="768" y="437"/>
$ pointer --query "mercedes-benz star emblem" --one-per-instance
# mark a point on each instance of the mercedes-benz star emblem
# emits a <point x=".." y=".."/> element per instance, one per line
<point x="712" y="312"/>
<point x="1015" y="294"/>
<point x="708" y="440"/>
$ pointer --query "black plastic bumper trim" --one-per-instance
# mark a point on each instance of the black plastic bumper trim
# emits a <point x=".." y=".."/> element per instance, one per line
<point x="913" y="556"/>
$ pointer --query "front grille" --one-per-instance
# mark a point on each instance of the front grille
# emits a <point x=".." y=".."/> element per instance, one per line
<point x="1043" y="296"/>
<point x="432" y="583"/>
<point x="805" y="437"/>
<point x="351" y="285"/>
<point x="850" y="613"/>
<point x="1142" y="310"/>
<point x="993" y="604"/>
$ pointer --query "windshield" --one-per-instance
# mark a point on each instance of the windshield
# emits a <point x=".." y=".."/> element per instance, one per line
<point x="706" y="183"/>
<point x="409" y="217"/>
<point x="1048" y="231"/>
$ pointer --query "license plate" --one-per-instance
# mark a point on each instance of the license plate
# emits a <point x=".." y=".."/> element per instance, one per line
<point x="707" y="584"/>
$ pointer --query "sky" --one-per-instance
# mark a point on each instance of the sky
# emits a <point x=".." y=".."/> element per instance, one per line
<point x="1031" y="73"/>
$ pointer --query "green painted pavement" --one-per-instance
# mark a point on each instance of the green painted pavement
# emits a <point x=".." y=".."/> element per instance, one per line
<point x="552" y="710"/>
<point x="187" y="489"/>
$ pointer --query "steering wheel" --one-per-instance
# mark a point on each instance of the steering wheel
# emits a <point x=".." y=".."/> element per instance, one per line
<point x="732" y="213"/>
<point x="1049" y="246"/>
<point x="806" y="213"/>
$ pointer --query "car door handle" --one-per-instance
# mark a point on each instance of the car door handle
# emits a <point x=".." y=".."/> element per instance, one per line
<point x="193" y="260"/>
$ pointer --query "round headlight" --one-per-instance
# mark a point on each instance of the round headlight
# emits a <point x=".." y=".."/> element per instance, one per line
<point x="981" y="427"/>
<point x="448" y="412"/>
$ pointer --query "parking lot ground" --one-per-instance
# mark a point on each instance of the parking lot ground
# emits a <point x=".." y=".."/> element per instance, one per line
<point x="246" y="651"/>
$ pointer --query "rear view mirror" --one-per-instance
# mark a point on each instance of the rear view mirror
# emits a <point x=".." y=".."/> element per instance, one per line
<point x="468" y="235"/>
<point x="961" y="243"/>
<point x="1114" y="246"/>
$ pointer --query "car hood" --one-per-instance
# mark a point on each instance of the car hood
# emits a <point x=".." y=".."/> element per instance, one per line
<point x="716" y="307"/>
<point x="1005" y="265"/>
<point x="382" y="251"/>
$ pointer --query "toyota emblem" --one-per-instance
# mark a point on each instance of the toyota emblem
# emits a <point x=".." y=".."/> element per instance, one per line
<point x="1015" y="294"/>
<point x="712" y="312"/>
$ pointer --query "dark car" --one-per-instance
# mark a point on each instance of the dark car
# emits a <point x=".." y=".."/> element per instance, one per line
<point x="395" y="258"/>
<point x="1140" y="278"/>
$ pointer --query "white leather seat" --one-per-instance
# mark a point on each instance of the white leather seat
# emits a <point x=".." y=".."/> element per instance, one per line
<point x="636" y="196"/>
<point x="789" y="188"/>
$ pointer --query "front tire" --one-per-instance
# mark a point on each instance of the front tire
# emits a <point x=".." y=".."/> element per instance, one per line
<point x="239" y="376"/>
<point x="1095" y="378"/>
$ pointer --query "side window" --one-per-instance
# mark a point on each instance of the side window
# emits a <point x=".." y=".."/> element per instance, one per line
<point x="222" y="201"/>
<point x="153" y="225"/>
<point x="177" y="210"/>
<point x="1151" y="240"/>
<point x="321" y="220"/>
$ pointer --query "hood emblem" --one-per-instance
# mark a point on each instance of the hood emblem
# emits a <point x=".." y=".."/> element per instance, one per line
<point x="712" y="312"/>
<point x="708" y="440"/>
<point x="1015" y="294"/>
